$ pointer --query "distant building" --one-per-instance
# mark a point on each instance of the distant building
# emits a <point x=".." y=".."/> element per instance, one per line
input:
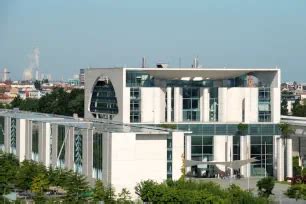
<point x="82" y="77"/>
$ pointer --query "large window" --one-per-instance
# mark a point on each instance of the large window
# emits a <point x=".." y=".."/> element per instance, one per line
<point x="262" y="150"/>
<point x="104" y="102"/>
<point x="78" y="150"/>
<point x="191" y="104"/>
<point x="35" y="141"/>
<point x="135" y="109"/>
<point x="1" y="133"/>
<point x="97" y="155"/>
<point x="13" y="135"/>
<point x="61" y="146"/>
<point x="264" y="105"/>
<point x="236" y="147"/>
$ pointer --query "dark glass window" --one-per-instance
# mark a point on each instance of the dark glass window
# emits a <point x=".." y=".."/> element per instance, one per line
<point x="191" y="99"/>
<point x="78" y="150"/>
<point x="61" y="145"/>
<point x="97" y="155"/>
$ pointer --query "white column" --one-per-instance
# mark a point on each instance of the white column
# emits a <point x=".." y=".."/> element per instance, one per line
<point x="169" y="95"/>
<point x="280" y="159"/>
<point x="275" y="104"/>
<point x="20" y="137"/>
<point x="243" y="155"/>
<point x="248" y="154"/>
<point x="177" y="104"/>
<point x="188" y="150"/>
<point x="229" y="154"/>
<point x="220" y="147"/>
<point x="205" y="105"/>
<point x="47" y="144"/>
<point x="177" y="153"/>
<point x="222" y="100"/>
<point x="289" y="158"/>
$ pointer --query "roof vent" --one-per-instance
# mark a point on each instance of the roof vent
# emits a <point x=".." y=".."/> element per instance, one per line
<point x="162" y="65"/>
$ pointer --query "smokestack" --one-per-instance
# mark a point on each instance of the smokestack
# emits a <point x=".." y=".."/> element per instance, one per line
<point x="143" y="62"/>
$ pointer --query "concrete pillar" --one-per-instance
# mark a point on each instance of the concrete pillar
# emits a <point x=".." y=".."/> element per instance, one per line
<point x="289" y="158"/>
<point x="169" y="95"/>
<point x="177" y="104"/>
<point x="205" y="96"/>
<point x="188" y="150"/>
<point x="222" y="100"/>
<point x="248" y="154"/>
<point x="20" y="139"/>
<point x="219" y="150"/>
<point x="280" y="159"/>
<point x="275" y="104"/>
<point x="229" y="153"/>
<point x="47" y="143"/>
<point x="243" y="155"/>
<point x="177" y="153"/>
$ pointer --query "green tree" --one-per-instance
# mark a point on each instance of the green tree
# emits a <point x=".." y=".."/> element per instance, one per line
<point x="16" y="102"/>
<point x="242" y="128"/>
<point x="27" y="172"/>
<point x="37" y="85"/>
<point x="98" y="191"/>
<point x="8" y="168"/>
<point x="297" y="191"/>
<point x="39" y="185"/>
<point x="284" y="107"/>
<point x="265" y="186"/>
<point x="124" y="197"/>
<point x="76" y="186"/>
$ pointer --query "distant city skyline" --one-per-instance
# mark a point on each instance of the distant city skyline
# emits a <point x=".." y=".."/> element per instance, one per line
<point x="71" y="35"/>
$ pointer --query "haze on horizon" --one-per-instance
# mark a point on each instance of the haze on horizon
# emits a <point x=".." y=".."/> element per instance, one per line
<point x="75" y="34"/>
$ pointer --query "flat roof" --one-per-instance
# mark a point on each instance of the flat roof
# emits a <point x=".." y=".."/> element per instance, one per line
<point x="97" y="124"/>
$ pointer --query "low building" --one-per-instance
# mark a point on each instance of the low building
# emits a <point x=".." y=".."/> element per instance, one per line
<point x="118" y="154"/>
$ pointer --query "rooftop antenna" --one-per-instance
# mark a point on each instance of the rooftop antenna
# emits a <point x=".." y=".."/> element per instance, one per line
<point x="143" y="62"/>
<point x="195" y="62"/>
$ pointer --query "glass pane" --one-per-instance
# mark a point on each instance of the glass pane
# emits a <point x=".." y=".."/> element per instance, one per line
<point x="196" y="149"/>
<point x="196" y="140"/>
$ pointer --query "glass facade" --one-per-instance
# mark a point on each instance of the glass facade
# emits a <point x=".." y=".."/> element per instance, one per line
<point x="78" y="150"/>
<point x="61" y="145"/>
<point x="136" y="78"/>
<point x="35" y="141"/>
<point x="135" y="107"/>
<point x="2" y="123"/>
<point x="103" y="101"/>
<point x="191" y="104"/>
<point x="97" y="156"/>
<point x="262" y="149"/>
<point x="13" y="135"/>
<point x="261" y="145"/>
<point x="264" y="105"/>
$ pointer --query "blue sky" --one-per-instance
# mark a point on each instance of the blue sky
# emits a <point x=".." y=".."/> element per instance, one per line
<point x="73" y="34"/>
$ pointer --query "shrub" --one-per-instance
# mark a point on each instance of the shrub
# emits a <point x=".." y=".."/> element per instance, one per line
<point x="265" y="186"/>
<point x="297" y="191"/>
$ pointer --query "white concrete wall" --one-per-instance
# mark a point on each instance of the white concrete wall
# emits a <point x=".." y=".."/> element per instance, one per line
<point x="152" y="105"/>
<point x="178" y="104"/>
<point x="275" y="104"/>
<point x="177" y="153"/>
<point x="117" y="77"/>
<point x="137" y="158"/>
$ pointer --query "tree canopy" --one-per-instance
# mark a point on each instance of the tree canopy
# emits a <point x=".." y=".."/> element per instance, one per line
<point x="57" y="102"/>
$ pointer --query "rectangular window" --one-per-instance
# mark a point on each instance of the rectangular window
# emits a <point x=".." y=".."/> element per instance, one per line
<point x="213" y="105"/>
<point x="13" y="135"/>
<point x="61" y="145"/>
<point x="191" y="107"/>
<point x="78" y="150"/>
<point x="264" y="105"/>
<point x="135" y="108"/>
<point x="35" y="140"/>
<point x="97" y="155"/>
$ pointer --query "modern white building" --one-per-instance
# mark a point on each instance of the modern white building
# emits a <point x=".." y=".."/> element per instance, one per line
<point x="118" y="154"/>
<point x="208" y="102"/>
